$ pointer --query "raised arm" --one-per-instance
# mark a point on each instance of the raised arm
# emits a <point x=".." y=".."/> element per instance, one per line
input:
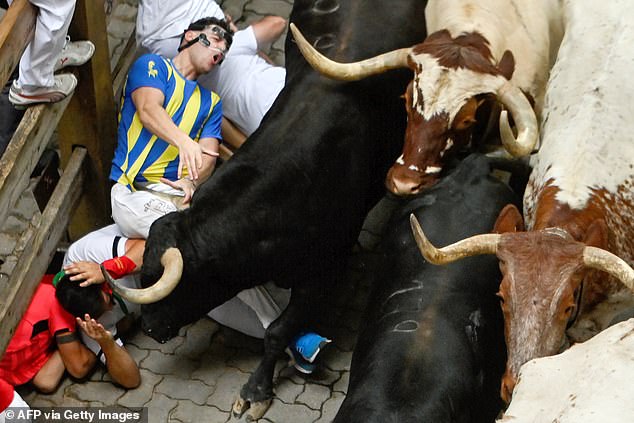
<point x="267" y="30"/>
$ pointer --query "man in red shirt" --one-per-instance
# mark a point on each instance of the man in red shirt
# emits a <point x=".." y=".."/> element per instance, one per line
<point x="45" y="344"/>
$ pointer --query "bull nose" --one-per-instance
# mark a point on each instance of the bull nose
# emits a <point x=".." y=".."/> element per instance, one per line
<point x="506" y="391"/>
<point x="403" y="187"/>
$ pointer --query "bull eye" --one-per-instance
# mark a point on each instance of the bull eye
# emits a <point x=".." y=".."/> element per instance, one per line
<point x="500" y="296"/>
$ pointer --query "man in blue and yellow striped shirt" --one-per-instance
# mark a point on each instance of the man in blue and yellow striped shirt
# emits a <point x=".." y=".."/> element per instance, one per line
<point x="169" y="129"/>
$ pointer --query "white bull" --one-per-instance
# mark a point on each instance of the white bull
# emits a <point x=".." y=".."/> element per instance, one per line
<point x="589" y="383"/>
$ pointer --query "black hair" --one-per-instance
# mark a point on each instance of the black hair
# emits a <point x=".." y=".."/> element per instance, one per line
<point x="204" y="23"/>
<point x="79" y="301"/>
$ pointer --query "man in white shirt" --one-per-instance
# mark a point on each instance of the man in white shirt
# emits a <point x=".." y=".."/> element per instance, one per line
<point x="247" y="83"/>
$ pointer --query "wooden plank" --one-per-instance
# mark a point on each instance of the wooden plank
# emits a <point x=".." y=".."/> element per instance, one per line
<point x="33" y="262"/>
<point x="29" y="141"/>
<point x="16" y="31"/>
<point x="120" y="71"/>
<point x="90" y="120"/>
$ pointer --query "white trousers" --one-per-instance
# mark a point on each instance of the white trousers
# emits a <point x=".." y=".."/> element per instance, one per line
<point x="135" y="211"/>
<point x="51" y="26"/>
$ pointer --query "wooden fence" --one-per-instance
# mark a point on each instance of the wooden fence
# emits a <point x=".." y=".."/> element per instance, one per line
<point x="86" y="129"/>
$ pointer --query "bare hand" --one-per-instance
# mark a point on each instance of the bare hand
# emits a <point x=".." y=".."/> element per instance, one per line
<point x="184" y="184"/>
<point x="89" y="271"/>
<point x="191" y="157"/>
<point x="232" y="25"/>
<point x="94" y="329"/>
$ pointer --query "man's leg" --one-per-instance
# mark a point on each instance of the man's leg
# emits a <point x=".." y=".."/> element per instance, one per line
<point x="134" y="212"/>
<point x="48" y="377"/>
<point x="38" y="60"/>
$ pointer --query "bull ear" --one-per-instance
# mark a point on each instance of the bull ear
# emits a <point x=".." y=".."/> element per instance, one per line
<point x="509" y="220"/>
<point x="466" y="115"/>
<point x="597" y="235"/>
<point x="506" y="65"/>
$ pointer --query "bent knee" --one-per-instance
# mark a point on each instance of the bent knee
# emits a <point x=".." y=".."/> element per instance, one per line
<point x="46" y="386"/>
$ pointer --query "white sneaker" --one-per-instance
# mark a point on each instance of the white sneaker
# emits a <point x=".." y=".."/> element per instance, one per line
<point x="62" y="88"/>
<point x="74" y="53"/>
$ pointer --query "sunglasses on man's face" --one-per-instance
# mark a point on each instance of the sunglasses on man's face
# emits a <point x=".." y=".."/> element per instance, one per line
<point x="218" y="32"/>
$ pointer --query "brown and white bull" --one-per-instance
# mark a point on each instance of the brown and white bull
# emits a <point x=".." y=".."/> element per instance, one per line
<point x="476" y="51"/>
<point x="579" y="204"/>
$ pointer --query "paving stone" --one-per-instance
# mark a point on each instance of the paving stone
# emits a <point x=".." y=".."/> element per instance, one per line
<point x="287" y="391"/>
<point x="177" y="388"/>
<point x="24" y="240"/>
<point x="13" y="225"/>
<point x="164" y="364"/>
<point x="228" y="388"/>
<point x="269" y="7"/>
<point x="141" y="395"/>
<point x="160" y="408"/>
<point x="105" y="392"/>
<point x="187" y="412"/>
<point x="9" y="264"/>
<point x="330" y="408"/>
<point x="27" y="207"/>
<point x="282" y="413"/>
<point x="145" y="342"/>
<point x="314" y="396"/>
<point x="135" y="352"/>
<point x="342" y="384"/>
<point x="335" y="359"/>
<point x="7" y="244"/>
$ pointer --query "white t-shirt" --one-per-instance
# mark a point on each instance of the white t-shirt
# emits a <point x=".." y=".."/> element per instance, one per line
<point x="247" y="84"/>
<point x="160" y="19"/>
<point x="97" y="247"/>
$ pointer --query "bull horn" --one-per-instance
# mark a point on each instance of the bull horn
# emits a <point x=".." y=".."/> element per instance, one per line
<point x="472" y="246"/>
<point x="349" y="71"/>
<point x="523" y="115"/>
<point x="598" y="258"/>
<point x="172" y="262"/>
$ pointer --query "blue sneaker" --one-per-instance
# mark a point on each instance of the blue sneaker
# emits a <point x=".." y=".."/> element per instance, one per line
<point x="299" y="363"/>
<point x="308" y="345"/>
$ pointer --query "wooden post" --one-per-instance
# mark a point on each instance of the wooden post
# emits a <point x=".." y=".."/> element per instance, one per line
<point x="90" y="120"/>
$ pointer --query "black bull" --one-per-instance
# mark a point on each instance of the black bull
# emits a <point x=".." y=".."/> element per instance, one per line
<point x="289" y="205"/>
<point x="432" y="348"/>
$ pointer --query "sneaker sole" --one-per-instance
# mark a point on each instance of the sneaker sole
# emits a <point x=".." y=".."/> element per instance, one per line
<point x="296" y="365"/>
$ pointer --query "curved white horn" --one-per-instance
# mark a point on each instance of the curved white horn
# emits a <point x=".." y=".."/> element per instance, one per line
<point x="349" y="71"/>
<point x="172" y="262"/>
<point x="527" y="133"/>
<point x="598" y="258"/>
<point x="472" y="246"/>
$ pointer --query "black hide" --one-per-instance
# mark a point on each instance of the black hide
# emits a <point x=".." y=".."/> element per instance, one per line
<point x="432" y="348"/>
<point x="289" y="205"/>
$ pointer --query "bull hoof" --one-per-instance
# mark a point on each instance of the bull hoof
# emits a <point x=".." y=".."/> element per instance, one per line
<point x="257" y="410"/>
<point x="239" y="407"/>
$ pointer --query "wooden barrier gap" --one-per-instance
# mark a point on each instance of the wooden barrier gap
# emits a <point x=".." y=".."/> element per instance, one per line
<point x="29" y="141"/>
<point x="34" y="261"/>
<point x="91" y="120"/>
